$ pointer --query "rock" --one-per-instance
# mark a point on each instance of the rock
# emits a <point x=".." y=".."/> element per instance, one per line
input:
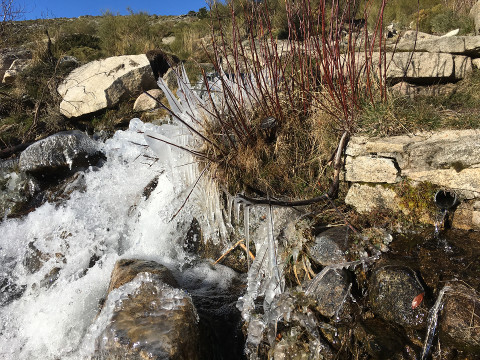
<point x="370" y="169"/>
<point x="381" y="340"/>
<point x="68" y="61"/>
<point x="465" y="182"/>
<point x="104" y="83"/>
<point x="168" y="40"/>
<point x="17" y="189"/>
<point x="288" y="348"/>
<point x="151" y="321"/>
<point x="331" y="293"/>
<point x="8" y="56"/>
<point x="126" y="270"/>
<point x="161" y="61"/>
<point x="9" y="290"/>
<point x="427" y="67"/>
<point x="451" y="33"/>
<point x="449" y="158"/>
<point x="365" y="198"/>
<point x="34" y="258"/>
<point x="475" y="15"/>
<point x="17" y="67"/>
<point x="170" y="78"/>
<point x="460" y="319"/>
<point x="61" y="153"/>
<point x="405" y="89"/>
<point x="413" y="34"/>
<point x="467" y="216"/>
<point x="329" y="246"/>
<point x="146" y="103"/>
<point x="459" y="45"/>
<point x="456" y="150"/>
<point x="476" y="63"/>
<point x="392" y="290"/>
<point x="193" y="239"/>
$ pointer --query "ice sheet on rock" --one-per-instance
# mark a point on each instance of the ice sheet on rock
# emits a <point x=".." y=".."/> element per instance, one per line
<point x="169" y="298"/>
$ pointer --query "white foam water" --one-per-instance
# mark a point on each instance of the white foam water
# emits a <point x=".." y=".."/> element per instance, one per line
<point x="79" y="242"/>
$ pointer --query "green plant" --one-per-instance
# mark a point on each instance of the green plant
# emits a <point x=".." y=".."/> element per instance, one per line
<point x="317" y="74"/>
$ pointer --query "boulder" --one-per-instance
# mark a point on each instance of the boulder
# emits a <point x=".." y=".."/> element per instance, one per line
<point x="8" y="56"/>
<point x="149" y="320"/>
<point x="146" y="103"/>
<point x="476" y="63"/>
<point x="64" y="152"/>
<point x="410" y="35"/>
<point x="460" y="45"/>
<point x="395" y="294"/>
<point x="161" y="61"/>
<point x="331" y="293"/>
<point x="460" y="319"/>
<point x="104" y="83"/>
<point x="467" y="216"/>
<point x="126" y="270"/>
<point x="370" y="169"/>
<point x="329" y="246"/>
<point x="448" y="158"/>
<point x="427" y="67"/>
<point x="475" y="15"/>
<point x="366" y="198"/>
<point x="17" y="67"/>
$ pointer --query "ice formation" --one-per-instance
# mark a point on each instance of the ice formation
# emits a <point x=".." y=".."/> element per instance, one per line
<point x="80" y="241"/>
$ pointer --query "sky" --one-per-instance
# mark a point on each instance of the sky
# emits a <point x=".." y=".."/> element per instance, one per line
<point x="41" y="9"/>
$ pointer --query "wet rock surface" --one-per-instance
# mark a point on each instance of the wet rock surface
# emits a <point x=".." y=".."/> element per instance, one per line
<point x="329" y="246"/>
<point x="392" y="293"/>
<point x="156" y="321"/>
<point x="332" y="292"/>
<point x="460" y="318"/>
<point x="126" y="270"/>
<point x="17" y="190"/>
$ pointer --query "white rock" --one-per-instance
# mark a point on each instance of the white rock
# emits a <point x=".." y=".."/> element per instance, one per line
<point x="475" y="15"/>
<point x="17" y="66"/>
<point x="451" y="33"/>
<point x="370" y="169"/>
<point x="145" y="102"/>
<point x="365" y="198"/>
<point x="103" y="83"/>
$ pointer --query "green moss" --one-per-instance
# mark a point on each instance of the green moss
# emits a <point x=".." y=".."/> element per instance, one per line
<point x="417" y="200"/>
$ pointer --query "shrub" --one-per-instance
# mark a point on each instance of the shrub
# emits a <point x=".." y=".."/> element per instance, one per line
<point x="127" y="35"/>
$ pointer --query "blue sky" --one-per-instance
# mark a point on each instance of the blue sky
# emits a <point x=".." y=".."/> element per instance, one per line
<point x="37" y="9"/>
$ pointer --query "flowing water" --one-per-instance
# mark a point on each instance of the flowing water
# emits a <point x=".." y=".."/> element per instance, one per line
<point x="56" y="261"/>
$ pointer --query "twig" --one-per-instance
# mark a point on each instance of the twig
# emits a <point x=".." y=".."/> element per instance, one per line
<point x="228" y="251"/>
<point x="242" y="245"/>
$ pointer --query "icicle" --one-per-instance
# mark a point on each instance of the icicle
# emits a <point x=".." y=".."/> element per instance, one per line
<point x="275" y="284"/>
<point x="432" y="322"/>
<point x="237" y="212"/>
<point x="172" y="100"/>
<point x="246" y="223"/>
<point x="230" y="202"/>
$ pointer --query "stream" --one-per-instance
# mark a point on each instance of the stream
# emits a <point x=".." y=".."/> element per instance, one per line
<point x="57" y="260"/>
